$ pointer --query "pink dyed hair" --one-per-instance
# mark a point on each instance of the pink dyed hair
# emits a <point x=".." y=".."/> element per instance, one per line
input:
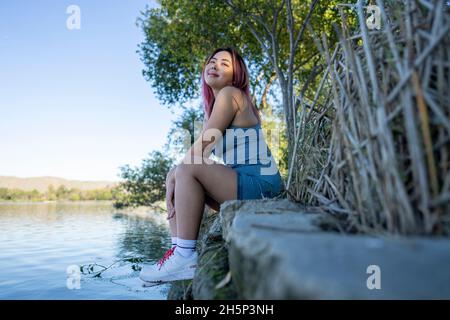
<point x="240" y="81"/>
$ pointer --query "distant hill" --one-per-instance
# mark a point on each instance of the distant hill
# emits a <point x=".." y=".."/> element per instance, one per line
<point x="41" y="183"/>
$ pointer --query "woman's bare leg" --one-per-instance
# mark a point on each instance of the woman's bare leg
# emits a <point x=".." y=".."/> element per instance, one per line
<point x="213" y="204"/>
<point x="173" y="226"/>
<point x="192" y="182"/>
<point x="189" y="204"/>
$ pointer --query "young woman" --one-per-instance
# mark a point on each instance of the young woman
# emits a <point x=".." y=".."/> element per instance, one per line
<point x="232" y="131"/>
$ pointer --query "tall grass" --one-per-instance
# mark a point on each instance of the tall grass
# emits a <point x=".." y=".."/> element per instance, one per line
<point x="373" y="144"/>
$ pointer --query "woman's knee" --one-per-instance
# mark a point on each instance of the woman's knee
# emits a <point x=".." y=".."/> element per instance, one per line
<point x="183" y="170"/>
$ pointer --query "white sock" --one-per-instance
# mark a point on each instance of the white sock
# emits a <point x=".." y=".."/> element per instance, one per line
<point x="186" y="247"/>
<point x="174" y="241"/>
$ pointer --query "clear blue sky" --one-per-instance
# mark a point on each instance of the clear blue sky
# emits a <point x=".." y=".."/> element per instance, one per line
<point x="73" y="103"/>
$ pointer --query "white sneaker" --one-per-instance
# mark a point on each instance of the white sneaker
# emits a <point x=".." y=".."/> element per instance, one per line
<point x="173" y="267"/>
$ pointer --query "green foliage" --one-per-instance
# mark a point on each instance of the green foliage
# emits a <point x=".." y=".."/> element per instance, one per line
<point x="178" y="38"/>
<point x="275" y="133"/>
<point x="62" y="193"/>
<point x="184" y="131"/>
<point x="180" y="34"/>
<point x="145" y="184"/>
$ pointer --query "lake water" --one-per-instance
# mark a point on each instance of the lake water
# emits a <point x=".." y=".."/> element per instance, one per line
<point x="43" y="245"/>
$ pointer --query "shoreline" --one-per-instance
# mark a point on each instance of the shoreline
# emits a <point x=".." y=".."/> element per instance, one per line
<point x="159" y="205"/>
<point x="51" y="201"/>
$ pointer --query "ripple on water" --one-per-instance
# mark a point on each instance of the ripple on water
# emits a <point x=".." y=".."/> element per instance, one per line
<point x="39" y="241"/>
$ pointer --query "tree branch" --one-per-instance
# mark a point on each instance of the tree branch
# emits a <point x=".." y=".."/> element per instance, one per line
<point x="305" y="22"/>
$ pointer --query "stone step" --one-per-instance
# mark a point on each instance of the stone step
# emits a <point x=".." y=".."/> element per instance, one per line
<point x="284" y="254"/>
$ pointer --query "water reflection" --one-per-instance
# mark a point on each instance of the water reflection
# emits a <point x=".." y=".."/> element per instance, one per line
<point x="146" y="238"/>
<point x="38" y="241"/>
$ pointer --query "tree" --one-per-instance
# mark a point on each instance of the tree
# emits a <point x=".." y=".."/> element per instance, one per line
<point x="272" y="36"/>
<point x="61" y="192"/>
<point x="75" y="196"/>
<point x="184" y="131"/>
<point x="179" y="35"/>
<point x="51" y="193"/>
<point x="5" y="194"/>
<point x="146" y="184"/>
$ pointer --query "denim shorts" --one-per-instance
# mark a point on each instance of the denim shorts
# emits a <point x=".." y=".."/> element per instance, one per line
<point x="251" y="184"/>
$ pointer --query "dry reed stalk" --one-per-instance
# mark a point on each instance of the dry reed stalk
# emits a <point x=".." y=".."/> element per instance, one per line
<point x="383" y="160"/>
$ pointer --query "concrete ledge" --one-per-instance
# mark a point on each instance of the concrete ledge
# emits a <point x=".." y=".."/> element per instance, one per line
<point x="277" y="251"/>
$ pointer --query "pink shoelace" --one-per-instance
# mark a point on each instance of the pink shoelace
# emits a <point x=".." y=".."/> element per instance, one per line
<point x="166" y="256"/>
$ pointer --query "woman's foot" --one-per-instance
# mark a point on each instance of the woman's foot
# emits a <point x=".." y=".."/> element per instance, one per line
<point x="173" y="266"/>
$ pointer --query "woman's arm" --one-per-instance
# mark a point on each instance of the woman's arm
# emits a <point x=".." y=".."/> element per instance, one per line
<point x="224" y="110"/>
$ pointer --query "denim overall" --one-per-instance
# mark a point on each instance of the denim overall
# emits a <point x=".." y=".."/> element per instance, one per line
<point x="245" y="150"/>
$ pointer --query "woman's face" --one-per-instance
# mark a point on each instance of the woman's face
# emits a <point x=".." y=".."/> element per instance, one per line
<point x="219" y="70"/>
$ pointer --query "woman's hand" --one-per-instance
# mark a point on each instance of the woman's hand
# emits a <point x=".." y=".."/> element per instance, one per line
<point x="170" y="194"/>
